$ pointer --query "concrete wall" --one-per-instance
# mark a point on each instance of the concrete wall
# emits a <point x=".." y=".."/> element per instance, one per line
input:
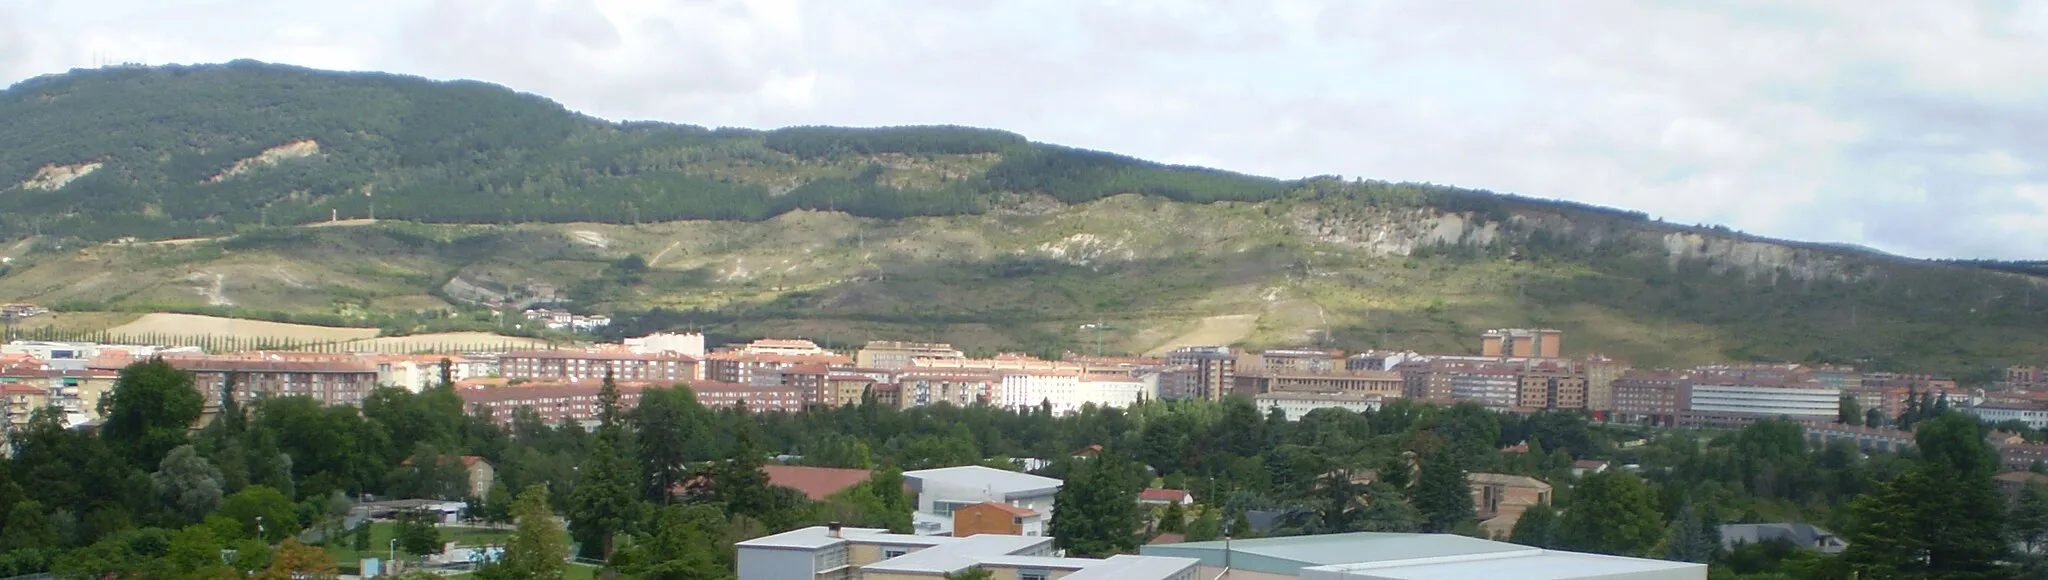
<point x="775" y="564"/>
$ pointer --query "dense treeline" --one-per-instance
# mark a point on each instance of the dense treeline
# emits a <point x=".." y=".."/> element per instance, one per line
<point x="670" y="485"/>
<point x="466" y="152"/>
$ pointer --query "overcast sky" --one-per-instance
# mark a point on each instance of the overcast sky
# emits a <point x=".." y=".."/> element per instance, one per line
<point x="1911" y="126"/>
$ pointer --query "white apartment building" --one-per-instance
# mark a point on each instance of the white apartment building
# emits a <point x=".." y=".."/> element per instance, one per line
<point x="1295" y="405"/>
<point x="1023" y="389"/>
<point x="2034" y="418"/>
<point x="939" y="491"/>
<point x="836" y="553"/>
<point x="686" y="343"/>
<point x="1119" y="392"/>
<point x="1797" y="402"/>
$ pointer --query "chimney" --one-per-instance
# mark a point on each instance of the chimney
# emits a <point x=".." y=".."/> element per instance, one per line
<point x="832" y="529"/>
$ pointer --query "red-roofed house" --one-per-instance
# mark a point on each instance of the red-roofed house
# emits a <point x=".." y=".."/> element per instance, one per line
<point x="994" y="517"/>
<point x="1157" y="496"/>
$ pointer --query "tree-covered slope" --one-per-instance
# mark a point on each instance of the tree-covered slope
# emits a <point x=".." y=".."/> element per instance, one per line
<point x="976" y="236"/>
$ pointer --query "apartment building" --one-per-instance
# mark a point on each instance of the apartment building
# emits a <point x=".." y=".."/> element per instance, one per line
<point x="2034" y="417"/>
<point x="1650" y="397"/>
<point x="1551" y="389"/>
<point x="781" y="346"/>
<point x="957" y="389"/>
<point x="940" y="491"/>
<point x="1493" y="388"/>
<point x="579" y="365"/>
<point x="741" y="367"/>
<point x="1522" y="343"/>
<point x="1028" y="389"/>
<point x="76" y="393"/>
<point x="21" y="402"/>
<point x="1374" y="360"/>
<point x="847" y="389"/>
<point x="1730" y="405"/>
<point x="1600" y="373"/>
<point x="1111" y="391"/>
<point x="1211" y="370"/>
<point x="1360" y="382"/>
<point x="1295" y="404"/>
<point x="576" y="401"/>
<point x="889" y="354"/>
<point x="329" y="379"/>
<point x="690" y="344"/>
<point x="1290" y="361"/>
<point x="832" y="552"/>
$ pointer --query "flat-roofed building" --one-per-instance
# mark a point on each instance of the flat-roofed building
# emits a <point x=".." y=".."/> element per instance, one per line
<point x="890" y="354"/>
<point x="832" y="552"/>
<point x="578" y="365"/>
<point x="1397" y="556"/>
<point x="1295" y="405"/>
<point x="329" y="379"/>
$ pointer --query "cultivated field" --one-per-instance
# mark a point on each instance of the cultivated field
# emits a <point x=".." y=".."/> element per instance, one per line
<point x="195" y="325"/>
<point x="444" y="342"/>
<point x="1214" y="330"/>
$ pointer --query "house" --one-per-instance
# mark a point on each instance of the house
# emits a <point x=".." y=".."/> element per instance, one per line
<point x="2013" y="481"/>
<point x="1156" y="496"/>
<point x="996" y="518"/>
<point x="1585" y="466"/>
<point x="1395" y="556"/>
<point x="2005" y="438"/>
<point x="1802" y="535"/>
<point x="477" y="472"/>
<point x="940" y="491"/>
<point x="1499" y="499"/>
<point x="835" y="552"/>
<point x="1087" y="452"/>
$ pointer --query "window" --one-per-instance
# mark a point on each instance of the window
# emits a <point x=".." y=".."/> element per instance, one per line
<point x="1033" y="575"/>
<point x="888" y="553"/>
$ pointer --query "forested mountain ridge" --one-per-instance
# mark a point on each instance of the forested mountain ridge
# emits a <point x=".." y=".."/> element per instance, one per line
<point x="970" y="235"/>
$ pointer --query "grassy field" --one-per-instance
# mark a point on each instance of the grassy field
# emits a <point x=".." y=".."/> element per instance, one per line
<point x="1214" y="330"/>
<point x="381" y="533"/>
<point x="196" y="325"/>
<point x="76" y="322"/>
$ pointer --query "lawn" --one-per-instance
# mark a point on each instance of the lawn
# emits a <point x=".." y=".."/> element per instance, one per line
<point x="345" y="554"/>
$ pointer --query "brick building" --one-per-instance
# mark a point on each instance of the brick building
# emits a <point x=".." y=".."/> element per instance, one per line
<point x="329" y="379"/>
<point x="580" y="365"/>
<point x="577" y="400"/>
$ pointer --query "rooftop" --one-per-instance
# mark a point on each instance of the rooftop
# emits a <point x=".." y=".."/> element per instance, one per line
<point x="980" y="477"/>
<point x="1521" y="564"/>
<point x="1288" y="555"/>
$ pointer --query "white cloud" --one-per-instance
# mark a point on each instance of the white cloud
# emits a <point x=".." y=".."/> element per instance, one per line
<point x="1811" y="120"/>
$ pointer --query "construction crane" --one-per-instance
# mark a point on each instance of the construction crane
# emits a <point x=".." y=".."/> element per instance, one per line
<point x="1098" y="326"/>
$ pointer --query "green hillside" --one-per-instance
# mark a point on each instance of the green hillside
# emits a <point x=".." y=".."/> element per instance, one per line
<point x="975" y="236"/>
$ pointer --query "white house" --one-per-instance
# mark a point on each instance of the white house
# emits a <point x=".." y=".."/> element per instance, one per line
<point x="939" y="491"/>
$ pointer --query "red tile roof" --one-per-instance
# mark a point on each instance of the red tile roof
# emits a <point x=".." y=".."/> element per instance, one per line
<point x="817" y="483"/>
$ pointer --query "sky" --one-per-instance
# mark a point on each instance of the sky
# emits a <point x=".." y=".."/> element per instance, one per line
<point x="1912" y="127"/>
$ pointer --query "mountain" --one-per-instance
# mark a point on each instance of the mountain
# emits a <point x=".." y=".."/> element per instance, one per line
<point x="246" y="188"/>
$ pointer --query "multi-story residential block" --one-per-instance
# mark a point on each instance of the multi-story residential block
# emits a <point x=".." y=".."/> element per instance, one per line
<point x="1924" y="383"/>
<point x="835" y="553"/>
<point x="1600" y="373"/>
<point x="76" y="393"/>
<point x="1494" y="388"/>
<point x="1361" y="382"/>
<point x="1551" y="389"/>
<point x="1868" y="439"/>
<point x="741" y="367"/>
<point x="1650" y="397"/>
<point x="1110" y="391"/>
<point x="1026" y="389"/>
<point x="2034" y="417"/>
<point x="576" y="401"/>
<point x="889" y="354"/>
<point x="579" y="365"/>
<point x="418" y="372"/>
<point x="329" y="379"/>
<point x="21" y="402"/>
<point x="690" y="344"/>
<point x="940" y="491"/>
<point x="1213" y="370"/>
<point x="1295" y="404"/>
<point x="957" y="389"/>
<point x="781" y="346"/>
<point x="1290" y="361"/>
<point x="1374" y="360"/>
<point x="1735" y="405"/>
<point x="1522" y="343"/>
<point x="847" y="389"/>
<point x="808" y="379"/>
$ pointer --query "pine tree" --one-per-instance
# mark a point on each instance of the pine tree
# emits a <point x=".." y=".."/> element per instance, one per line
<point x="1443" y="494"/>
<point x="603" y="502"/>
<point x="1691" y="538"/>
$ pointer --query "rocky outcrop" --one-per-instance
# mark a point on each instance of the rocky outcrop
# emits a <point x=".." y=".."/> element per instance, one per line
<point x="54" y="177"/>
<point x="294" y="150"/>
